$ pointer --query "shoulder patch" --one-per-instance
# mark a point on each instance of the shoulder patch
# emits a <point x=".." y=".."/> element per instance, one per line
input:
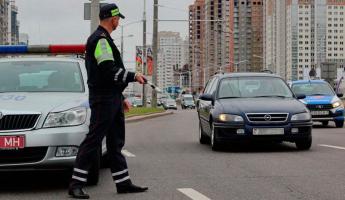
<point x="103" y="51"/>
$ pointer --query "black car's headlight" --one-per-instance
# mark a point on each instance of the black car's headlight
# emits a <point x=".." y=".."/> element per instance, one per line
<point x="230" y="118"/>
<point x="301" y="117"/>
<point x="72" y="117"/>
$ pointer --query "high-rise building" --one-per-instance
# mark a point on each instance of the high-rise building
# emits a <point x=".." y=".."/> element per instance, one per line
<point x="314" y="35"/>
<point x="275" y="48"/>
<point x="13" y="24"/>
<point x="246" y="17"/>
<point x="170" y="46"/>
<point x="229" y="37"/>
<point x="4" y="30"/>
<point x="335" y="16"/>
<point x="196" y="44"/>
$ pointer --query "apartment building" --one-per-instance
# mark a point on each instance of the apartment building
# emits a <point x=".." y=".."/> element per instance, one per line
<point x="4" y="18"/>
<point x="197" y="44"/>
<point x="335" y="32"/>
<point x="170" y="57"/>
<point x="275" y="38"/>
<point x="247" y="18"/>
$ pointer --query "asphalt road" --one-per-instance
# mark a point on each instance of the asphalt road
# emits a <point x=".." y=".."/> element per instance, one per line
<point x="164" y="154"/>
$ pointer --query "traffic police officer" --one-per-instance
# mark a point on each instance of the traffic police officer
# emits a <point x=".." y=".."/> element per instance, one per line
<point x="107" y="78"/>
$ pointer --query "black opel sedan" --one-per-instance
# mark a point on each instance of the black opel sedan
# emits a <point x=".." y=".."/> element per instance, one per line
<point x="252" y="106"/>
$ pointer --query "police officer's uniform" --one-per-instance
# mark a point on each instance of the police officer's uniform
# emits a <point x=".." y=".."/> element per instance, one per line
<point x="107" y="78"/>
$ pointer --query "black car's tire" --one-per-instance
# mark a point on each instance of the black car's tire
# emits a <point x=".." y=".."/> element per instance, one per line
<point x="304" y="144"/>
<point x="93" y="176"/>
<point x="203" y="138"/>
<point x="325" y="123"/>
<point x="215" y="145"/>
<point x="339" y="124"/>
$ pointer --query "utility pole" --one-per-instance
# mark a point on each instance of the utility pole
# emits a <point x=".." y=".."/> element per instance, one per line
<point x="155" y="51"/>
<point x="144" y="53"/>
<point x="94" y="14"/>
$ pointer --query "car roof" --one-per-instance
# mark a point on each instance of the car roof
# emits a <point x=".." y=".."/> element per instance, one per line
<point x="246" y="74"/>
<point x="308" y="81"/>
<point x="41" y="58"/>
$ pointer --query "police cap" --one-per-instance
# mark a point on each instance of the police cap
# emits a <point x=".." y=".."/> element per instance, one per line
<point x="109" y="10"/>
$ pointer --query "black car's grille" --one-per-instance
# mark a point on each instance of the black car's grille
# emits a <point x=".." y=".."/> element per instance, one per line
<point x="320" y="107"/>
<point x="18" y="122"/>
<point x="26" y="155"/>
<point x="267" y="117"/>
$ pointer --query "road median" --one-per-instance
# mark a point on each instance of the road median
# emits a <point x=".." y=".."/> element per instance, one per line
<point x="139" y="114"/>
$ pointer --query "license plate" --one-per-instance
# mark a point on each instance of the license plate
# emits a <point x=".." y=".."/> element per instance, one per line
<point x="319" y="112"/>
<point x="12" y="142"/>
<point x="268" y="131"/>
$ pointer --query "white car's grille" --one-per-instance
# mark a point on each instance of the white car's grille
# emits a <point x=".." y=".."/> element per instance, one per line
<point x="18" y="122"/>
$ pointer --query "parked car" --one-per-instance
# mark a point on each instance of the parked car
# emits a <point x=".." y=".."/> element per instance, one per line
<point x="252" y="106"/>
<point x="169" y="104"/>
<point x="187" y="101"/>
<point x="44" y="113"/>
<point x="323" y="103"/>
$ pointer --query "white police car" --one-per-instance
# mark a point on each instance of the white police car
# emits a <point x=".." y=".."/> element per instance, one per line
<point x="44" y="113"/>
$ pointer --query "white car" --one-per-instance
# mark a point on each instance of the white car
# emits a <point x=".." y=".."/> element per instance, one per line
<point x="44" y="113"/>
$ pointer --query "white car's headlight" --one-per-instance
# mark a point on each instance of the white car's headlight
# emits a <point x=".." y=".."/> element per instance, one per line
<point x="301" y="117"/>
<point x="230" y="118"/>
<point x="337" y="104"/>
<point x="72" y="117"/>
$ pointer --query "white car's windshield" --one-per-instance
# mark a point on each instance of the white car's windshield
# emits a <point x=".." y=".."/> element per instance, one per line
<point x="252" y="87"/>
<point x="40" y="76"/>
<point x="313" y="89"/>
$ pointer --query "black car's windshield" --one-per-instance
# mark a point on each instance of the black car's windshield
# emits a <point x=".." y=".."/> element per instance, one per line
<point x="313" y="89"/>
<point x="40" y="76"/>
<point x="252" y="87"/>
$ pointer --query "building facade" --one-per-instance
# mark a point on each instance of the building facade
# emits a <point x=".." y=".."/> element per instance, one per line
<point x="196" y="44"/>
<point x="9" y="25"/>
<point x="4" y="19"/>
<point x="228" y="38"/>
<point x="170" y="58"/>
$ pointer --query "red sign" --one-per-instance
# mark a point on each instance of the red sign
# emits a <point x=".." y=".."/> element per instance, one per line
<point x="12" y="142"/>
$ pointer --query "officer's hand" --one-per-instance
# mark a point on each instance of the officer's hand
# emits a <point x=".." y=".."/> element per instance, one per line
<point x="126" y="105"/>
<point x="140" y="78"/>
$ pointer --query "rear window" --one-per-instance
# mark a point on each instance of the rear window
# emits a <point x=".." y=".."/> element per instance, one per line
<point x="40" y="76"/>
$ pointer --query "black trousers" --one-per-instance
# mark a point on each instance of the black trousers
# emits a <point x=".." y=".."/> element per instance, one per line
<point x="107" y="120"/>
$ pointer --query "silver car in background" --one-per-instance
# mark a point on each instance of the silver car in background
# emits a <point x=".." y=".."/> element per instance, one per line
<point x="44" y="113"/>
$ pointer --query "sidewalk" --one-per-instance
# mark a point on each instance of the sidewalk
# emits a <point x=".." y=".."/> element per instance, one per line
<point x="149" y="116"/>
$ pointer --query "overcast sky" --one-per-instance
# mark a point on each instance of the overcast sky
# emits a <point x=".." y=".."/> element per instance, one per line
<point x="61" y="21"/>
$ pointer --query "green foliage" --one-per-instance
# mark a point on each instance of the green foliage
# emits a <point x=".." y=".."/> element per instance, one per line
<point x="143" y="111"/>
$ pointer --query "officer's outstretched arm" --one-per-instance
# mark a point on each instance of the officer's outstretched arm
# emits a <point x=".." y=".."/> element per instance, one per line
<point x="105" y="60"/>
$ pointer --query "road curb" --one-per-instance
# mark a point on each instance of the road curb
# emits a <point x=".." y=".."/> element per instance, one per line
<point x="150" y="116"/>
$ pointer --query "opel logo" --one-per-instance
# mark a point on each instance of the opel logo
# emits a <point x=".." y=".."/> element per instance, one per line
<point x="1" y="115"/>
<point x="267" y="117"/>
<point x="319" y="106"/>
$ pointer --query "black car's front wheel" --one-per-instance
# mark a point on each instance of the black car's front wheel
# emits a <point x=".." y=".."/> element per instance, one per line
<point x="304" y="144"/>
<point x="203" y="138"/>
<point x="215" y="145"/>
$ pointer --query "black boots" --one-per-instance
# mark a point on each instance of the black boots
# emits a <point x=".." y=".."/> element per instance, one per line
<point x="78" y="193"/>
<point x="129" y="188"/>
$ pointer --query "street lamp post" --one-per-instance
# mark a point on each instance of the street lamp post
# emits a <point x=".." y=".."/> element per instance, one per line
<point x="122" y="41"/>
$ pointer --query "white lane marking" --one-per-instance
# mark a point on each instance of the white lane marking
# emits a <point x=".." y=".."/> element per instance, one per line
<point x="127" y="153"/>
<point x="331" y="146"/>
<point x="193" y="194"/>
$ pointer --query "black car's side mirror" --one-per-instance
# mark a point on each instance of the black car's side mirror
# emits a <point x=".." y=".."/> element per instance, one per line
<point x="340" y="95"/>
<point x="300" y="96"/>
<point x="206" y="97"/>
